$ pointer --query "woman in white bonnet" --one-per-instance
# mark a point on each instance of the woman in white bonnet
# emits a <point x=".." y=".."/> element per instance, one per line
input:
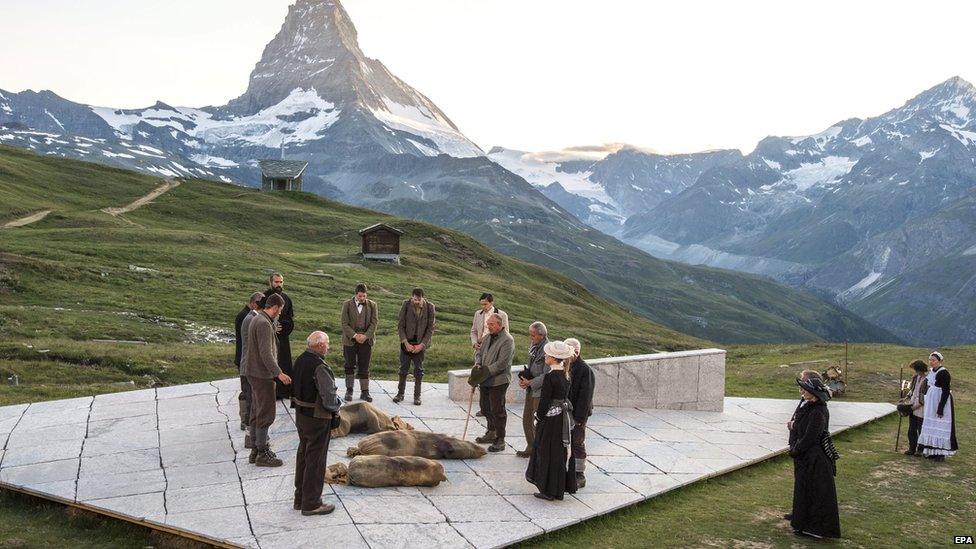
<point x="549" y="465"/>
<point x="938" y="436"/>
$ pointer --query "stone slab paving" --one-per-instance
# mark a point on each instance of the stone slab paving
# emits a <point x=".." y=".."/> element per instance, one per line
<point x="173" y="457"/>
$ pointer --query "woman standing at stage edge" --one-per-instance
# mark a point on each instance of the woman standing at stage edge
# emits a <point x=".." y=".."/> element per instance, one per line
<point x="549" y="468"/>
<point x="939" y="426"/>
<point x="815" y="510"/>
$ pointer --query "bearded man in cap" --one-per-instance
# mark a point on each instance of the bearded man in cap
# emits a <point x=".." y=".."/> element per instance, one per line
<point x="283" y="329"/>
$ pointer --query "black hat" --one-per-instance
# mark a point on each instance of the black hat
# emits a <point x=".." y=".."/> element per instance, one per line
<point x="816" y="387"/>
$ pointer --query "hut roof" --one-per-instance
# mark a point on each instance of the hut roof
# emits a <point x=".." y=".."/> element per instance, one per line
<point x="282" y="169"/>
<point x="379" y="226"/>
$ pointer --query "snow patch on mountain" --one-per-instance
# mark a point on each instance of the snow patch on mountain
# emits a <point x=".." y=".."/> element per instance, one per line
<point x="864" y="283"/>
<point x="823" y="173"/>
<point x="302" y="116"/>
<point x="541" y="172"/>
<point x="424" y="123"/>
<point x="965" y="137"/>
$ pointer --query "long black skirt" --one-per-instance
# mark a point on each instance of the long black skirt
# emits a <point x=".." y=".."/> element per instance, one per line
<point x="814" y="495"/>
<point x="548" y="466"/>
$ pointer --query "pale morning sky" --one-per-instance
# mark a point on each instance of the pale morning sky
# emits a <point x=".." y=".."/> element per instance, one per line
<point x="531" y="74"/>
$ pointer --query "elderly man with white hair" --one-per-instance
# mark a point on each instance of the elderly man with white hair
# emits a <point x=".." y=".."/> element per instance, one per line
<point x="491" y="373"/>
<point x="316" y="405"/>
<point x="530" y="379"/>
<point x="582" y="382"/>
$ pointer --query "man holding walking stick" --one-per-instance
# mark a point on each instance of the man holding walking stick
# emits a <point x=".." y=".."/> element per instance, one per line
<point x="492" y="374"/>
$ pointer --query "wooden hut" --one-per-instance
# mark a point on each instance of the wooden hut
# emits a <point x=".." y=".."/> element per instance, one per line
<point x="282" y="175"/>
<point x="381" y="242"/>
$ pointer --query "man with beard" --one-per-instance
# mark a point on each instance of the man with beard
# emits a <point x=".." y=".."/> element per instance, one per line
<point x="416" y="328"/>
<point x="283" y="329"/>
<point x="359" y="318"/>
<point x="261" y="369"/>
<point x="240" y="330"/>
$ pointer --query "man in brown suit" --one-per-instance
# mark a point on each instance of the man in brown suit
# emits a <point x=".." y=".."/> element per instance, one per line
<point x="416" y="328"/>
<point x="261" y="370"/>
<point x="492" y="373"/>
<point x="359" y="318"/>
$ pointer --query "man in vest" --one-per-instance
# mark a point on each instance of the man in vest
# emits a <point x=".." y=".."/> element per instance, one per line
<point x="316" y="407"/>
<point x="416" y="328"/>
<point x="359" y="318"/>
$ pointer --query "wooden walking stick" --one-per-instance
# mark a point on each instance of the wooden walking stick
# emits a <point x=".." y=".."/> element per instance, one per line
<point x="467" y="418"/>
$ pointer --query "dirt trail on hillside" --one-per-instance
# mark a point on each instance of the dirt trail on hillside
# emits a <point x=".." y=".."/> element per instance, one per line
<point x="168" y="185"/>
<point x="33" y="218"/>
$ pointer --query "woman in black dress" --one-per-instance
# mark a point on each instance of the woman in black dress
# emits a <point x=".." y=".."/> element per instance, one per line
<point x="549" y="466"/>
<point x="815" y="510"/>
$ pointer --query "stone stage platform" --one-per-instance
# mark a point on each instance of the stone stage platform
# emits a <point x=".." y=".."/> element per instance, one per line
<point x="172" y="459"/>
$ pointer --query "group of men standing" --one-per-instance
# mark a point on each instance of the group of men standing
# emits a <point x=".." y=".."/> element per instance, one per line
<point x="494" y="352"/>
<point x="267" y="374"/>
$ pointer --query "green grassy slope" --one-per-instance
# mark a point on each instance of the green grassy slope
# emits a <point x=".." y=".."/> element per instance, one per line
<point x="172" y="271"/>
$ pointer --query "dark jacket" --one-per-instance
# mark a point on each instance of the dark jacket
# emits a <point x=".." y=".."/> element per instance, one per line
<point x="314" y="383"/>
<point x="943" y="381"/>
<point x="581" y="386"/>
<point x="237" y="336"/>
<point x="536" y="368"/>
<point x="814" y="494"/>
<point x="416" y="329"/>
<point x="352" y="324"/>
<point x="286" y="319"/>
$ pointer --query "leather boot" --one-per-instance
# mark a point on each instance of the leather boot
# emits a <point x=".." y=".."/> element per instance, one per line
<point x="487" y="438"/>
<point x="417" y="388"/>
<point x="580" y="481"/>
<point x="401" y="387"/>
<point x="265" y="457"/>
<point x="256" y="444"/>
<point x="323" y="509"/>
<point x="242" y="410"/>
<point x="498" y="446"/>
<point x="349" y="381"/>
<point x="364" y="390"/>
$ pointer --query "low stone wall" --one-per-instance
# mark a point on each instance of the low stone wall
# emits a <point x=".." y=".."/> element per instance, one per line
<point x="686" y="380"/>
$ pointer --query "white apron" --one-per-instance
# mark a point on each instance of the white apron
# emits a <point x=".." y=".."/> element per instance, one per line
<point x="936" y="431"/>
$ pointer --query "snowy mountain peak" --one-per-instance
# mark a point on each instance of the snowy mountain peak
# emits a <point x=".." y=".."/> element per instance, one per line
<point x="317" y="49"/>
<point x="955" y="99"/>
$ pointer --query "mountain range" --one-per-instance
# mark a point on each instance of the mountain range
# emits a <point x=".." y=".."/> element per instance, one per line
<point x="875" y="214"/>
<point x="372" y="140"/>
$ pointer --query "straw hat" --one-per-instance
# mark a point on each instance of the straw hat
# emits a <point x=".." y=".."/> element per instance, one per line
<point x="559" y="350"/>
